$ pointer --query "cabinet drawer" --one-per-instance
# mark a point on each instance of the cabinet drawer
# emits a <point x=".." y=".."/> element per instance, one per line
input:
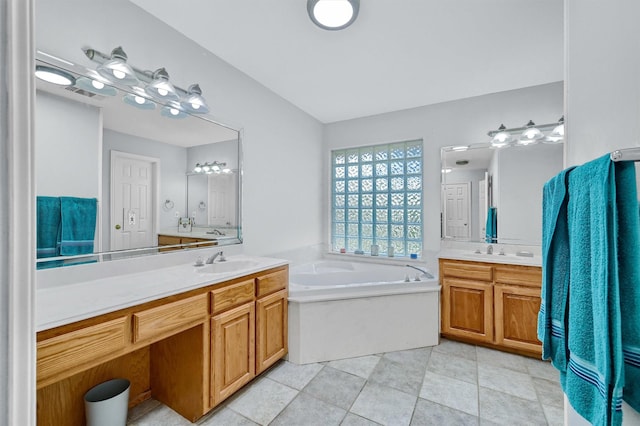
<point x="232" y="295"/>
<point x="467" y="270"/>
<point x="69" y="353"/>
<point x="172" y="317"/>
<point x="270" y="283"/>
<point x="519" y="275"/>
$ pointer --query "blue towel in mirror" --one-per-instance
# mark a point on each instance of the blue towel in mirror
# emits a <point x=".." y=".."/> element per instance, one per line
<point x="78" y="225"/>
<point x="47" y="226"/>
<point x="491" y="229"/>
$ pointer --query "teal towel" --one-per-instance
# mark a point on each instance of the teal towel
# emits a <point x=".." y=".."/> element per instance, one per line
<point x="78" y="225"/>
<point x="47" y="226"/>
<point x="491" y="229"/>
<point x="555" y="271"/>
<point x="629" y="281"/>
<point x="601" y="197"/>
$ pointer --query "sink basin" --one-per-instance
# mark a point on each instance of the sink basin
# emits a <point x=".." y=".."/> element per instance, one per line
<point x="227" y="266"/>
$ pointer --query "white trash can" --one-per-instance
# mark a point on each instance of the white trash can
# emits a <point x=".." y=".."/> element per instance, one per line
<point x="106" y="404"/>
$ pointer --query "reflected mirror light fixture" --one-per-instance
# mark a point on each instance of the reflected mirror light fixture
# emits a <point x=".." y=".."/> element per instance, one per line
<point x="172" y="112"/>
<point x="138" y="101"/>
<point x="531" y="135"/>
<point x="213" y="167"/>
<point x="54" y="75"/>
<point x="333" y="15"/>
<point x="117" y="69"/>
<point x="460" y="148"/>
<point x="160" y="88"/>
<point x="95" y="86"/>
<point x="502" y="137"/>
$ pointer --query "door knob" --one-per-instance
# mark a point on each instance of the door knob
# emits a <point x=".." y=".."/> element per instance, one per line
<point x="117" y="226"/>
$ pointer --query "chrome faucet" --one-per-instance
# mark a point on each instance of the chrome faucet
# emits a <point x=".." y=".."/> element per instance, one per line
<point x="214" y="256"/>
<point x="489" y="249"/>
<point x="423" y="271"/>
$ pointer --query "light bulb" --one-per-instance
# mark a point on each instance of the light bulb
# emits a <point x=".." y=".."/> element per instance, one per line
<point x="163" y="92"/>
<point x="174" y="111"/>
<point x="195" y="105"/>
<point x="139" y="100"/>
<point x="118" y="74"/>
<point x="333" y="13"/>
<point x="97" y="84"/>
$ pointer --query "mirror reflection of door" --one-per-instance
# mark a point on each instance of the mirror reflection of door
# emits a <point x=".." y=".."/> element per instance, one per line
<point x="133" y="185"/>
<point x="222" y="199"/>
<point x="483" y="205"/>
<point x="457" y="201"/>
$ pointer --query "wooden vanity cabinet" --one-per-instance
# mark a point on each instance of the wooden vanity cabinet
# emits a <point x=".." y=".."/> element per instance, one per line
<point x="170" y="240"/>
<point x="491" y="304"/>
<point x="190" y="351"/>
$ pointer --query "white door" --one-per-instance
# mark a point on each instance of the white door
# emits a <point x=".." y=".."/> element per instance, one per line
<point x="222" y="199"/>
<point x="482" y="209"/>
<point x="133" y="188"/>
<point x="456" y="197"/>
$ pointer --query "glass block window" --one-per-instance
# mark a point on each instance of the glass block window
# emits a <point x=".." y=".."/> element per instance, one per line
<point x="376" y="198"/>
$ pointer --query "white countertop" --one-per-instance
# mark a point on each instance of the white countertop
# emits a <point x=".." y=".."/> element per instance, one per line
<point x="65" y="304"/>
<point x="508" y="258"/>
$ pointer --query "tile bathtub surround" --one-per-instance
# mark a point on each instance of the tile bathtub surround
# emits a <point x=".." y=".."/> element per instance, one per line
<point x="449" y="384"/>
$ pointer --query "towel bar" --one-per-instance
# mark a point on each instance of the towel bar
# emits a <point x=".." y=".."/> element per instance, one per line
<point x="627" y="154"/>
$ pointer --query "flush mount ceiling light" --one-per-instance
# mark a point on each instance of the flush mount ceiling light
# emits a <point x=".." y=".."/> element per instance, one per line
<point x="333" y="14"/>
<point x="194" y="102"/>
<point x="501" y="138"/>
<point x="54" y="75"/>
<point x="116" y="68"/>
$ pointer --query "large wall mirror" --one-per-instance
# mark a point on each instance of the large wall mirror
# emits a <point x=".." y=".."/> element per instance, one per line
<point x="118" y="176"/>
<point x="504" y="184"/>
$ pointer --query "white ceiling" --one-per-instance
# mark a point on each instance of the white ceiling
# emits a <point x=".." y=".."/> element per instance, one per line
<point x="397" y="55"/>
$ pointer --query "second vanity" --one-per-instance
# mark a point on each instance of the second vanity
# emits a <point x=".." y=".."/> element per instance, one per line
<point x="491" y="300"/>
<point x="186" y="336"/>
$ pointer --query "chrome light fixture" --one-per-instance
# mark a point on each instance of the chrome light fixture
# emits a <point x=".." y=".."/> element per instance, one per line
<point x="160" y="88"/>
<point x="117" y="69"/>
<point x="501" y="138"/>
<point x="95" y="86"/>
<point x="138" y="101"/>
<point x="216" y="167"/>
<point x="531" y="135"/>
<point x="145" y="84"/>
<point x="333" y="15"/>
<point x="55" y="75"/>
<point x="557" y="135"/>
<point x="194" y="102"/>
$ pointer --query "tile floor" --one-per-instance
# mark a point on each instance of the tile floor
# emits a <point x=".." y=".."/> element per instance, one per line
<point x="449" y="384"/>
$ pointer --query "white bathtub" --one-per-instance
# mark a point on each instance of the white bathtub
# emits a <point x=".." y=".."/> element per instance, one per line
<point x="341" y="309"/>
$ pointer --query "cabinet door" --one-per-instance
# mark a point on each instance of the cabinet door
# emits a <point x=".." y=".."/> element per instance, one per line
<point x="233" y="340"/>
<point x="468" y="309"/>
<point x="516" y="312"/>
<point x="272" y="329"/>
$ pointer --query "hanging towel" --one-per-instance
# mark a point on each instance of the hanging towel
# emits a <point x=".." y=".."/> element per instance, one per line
<point x="601" y="196"/>
<point x="78" y="225"/>
<point x="47" y="226"/>
<point x="555" y="271"/>
<point x="492" y="225"/>
<point x="629" y="281"/>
